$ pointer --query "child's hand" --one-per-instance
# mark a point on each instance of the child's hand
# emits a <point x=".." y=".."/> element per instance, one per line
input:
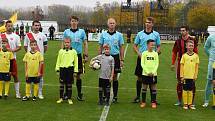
<point x="39" y="74"/>
<point x="151" y="74"/>
<point x="121" y="63"/>
<point x="182" y="79"/>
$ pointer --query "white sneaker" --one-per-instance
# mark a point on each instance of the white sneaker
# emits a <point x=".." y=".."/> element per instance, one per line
<point x="192" y="107"/>
<point x="205" y="105"/>
<point x="41" y="97"/>
<point x="18" y="96"/>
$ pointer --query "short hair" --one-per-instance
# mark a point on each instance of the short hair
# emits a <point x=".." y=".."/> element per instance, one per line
<point x="106" y="46"/>
<point x="7" y="22"/>
<point x="33" y="41"/>
<point x="150" y="19"/>
<point x="35" y="21"/>
<point x="190" y="41"/>
<point x="74" y="17"/>
<point x="150" y="40"/>
<point x="67" y="38"/>
<point x="186" y="27"/>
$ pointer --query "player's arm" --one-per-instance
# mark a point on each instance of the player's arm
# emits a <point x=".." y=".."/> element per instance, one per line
<point x="156" y="64"/>
<point x="143" y="63"/>
<point x="11" y="61"/>
<point x="26" y="40"/>
<point x="45" y="44"/>
<point x="75" y="62"/>
<point x="207" y="45"/>
<point x="86" y="50"/>
<point x="158" y="43"/>
<point x="196" y="71"/>
<point x="135" y="46"/>
<point x="26" y="69"/>
<point x="101" y="42"/>
<point x="112" y="70"/>
<point x="182" y="68"/>
<point x="40" y="64"/>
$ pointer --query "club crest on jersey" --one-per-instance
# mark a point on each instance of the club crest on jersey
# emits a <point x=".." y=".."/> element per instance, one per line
<point x="115" y="42"/>
<point x="150" y="58"/>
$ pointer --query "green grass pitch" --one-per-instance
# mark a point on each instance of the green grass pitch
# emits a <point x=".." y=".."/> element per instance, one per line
<point x="48" y="110"/>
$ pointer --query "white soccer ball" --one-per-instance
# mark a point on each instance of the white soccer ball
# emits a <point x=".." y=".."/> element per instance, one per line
<point x="96" y="64"/>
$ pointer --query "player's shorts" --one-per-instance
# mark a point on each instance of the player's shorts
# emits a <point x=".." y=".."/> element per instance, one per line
<point x="14" y="70"/>
<point x="34" y="80"/>
<point x="188" y="84"/>
<point x="104" y="83"/>
<point x="117" y="68"/>
<point x="5" y="77"/>
<point x="149" y="80"/>
<point x="66" y="75"/>
<point x="139" y="69"/>
<point x="80" y="64"/>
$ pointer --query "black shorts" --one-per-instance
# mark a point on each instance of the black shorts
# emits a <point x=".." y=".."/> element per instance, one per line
<point x="139" y="69"/>
<point x="80" y="64"/>
<point x="5" y="77"/>
<point x="188" y="84"/>
<point x="105" y="83"/>
<point x="66" y="75"/>
<point x="149" y="80"/>
<point x="34" y="80"/>
<point x="117" y="68"/>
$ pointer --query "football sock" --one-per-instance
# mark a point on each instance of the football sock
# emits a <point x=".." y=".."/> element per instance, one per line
<point x="69" y="88"/>
<point x="115" y="88"/>
<point x="36" y="89"/>
<point x="7" y="87"/>
<point x="1" y="88"/>
<point x="144" y="95"/>
<point x="153" y="96"/>
<point x="16" y="85"/>
<point x="138" y="87"/>
<point x="194" y="92"/>
<point x="108" y="92"/>
<point x="185" y="97"/>
<point x="28" y="89"/>
<point x="78" y="85"/>
<point x="179" y="91"/>
<point x="190" y="97"/>
<point x="61" y="90"/>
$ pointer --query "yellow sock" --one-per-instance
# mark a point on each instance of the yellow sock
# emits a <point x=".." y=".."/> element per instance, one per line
<point x="27" y="89"/>
<point x="7" y="87"/>
<point x="1" y="87"/>
<point x="190" y="97"/>
<point x="36" y="88"/>
<point x="185" y="100"/>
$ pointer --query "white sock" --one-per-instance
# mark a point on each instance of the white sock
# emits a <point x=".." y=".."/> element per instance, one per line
<point x="41" y="87"/>
<point x="16" y="85"/>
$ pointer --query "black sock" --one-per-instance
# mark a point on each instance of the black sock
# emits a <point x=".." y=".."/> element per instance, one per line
<point x="153" y="96"/>
<point x="138" y="87"/>
<point x="115" y="88"/>
<point x="144" y="95"/>
<point x="100" y="94"/>
<point x="107" y="91"/>
<point x="78" y="85"/>
<point x="69" y="93"/>
<point x="61" y="90"/>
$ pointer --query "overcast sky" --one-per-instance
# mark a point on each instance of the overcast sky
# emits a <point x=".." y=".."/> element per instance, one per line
<point x="27" y="3"/>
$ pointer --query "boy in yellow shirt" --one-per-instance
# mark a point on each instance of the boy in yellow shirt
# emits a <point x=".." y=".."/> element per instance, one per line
<point x="189" y="70"/>
<point x="5" y="66"/>
<point x="67" y="65"/>
<point x="33" y="63"/>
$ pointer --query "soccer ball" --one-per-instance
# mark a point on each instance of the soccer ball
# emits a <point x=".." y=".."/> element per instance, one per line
<point x="95" y="64"/>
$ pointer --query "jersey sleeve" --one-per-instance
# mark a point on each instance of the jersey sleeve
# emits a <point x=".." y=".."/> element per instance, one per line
<point x="65" y="34"/>
<point x="26" y="41"/>
<point x="197" y="59"/>
<point x="11" y="56"/>
<point x="41" y="58"/>
<point x="101" y="39"/>
<point x="121" y="40"/>
<point x="75" y="62"/>
<point x="174" y="52"/>
<point x="83" y="36"/>
<point x="143" y="63"/>
<point x="158" y="40"/>
<point x="182" y="60"/>
<point x="207" y="45"/>
<point x="45" y="40"/>
<point x="57" y="67"/>
<point x="137" y="39"/>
